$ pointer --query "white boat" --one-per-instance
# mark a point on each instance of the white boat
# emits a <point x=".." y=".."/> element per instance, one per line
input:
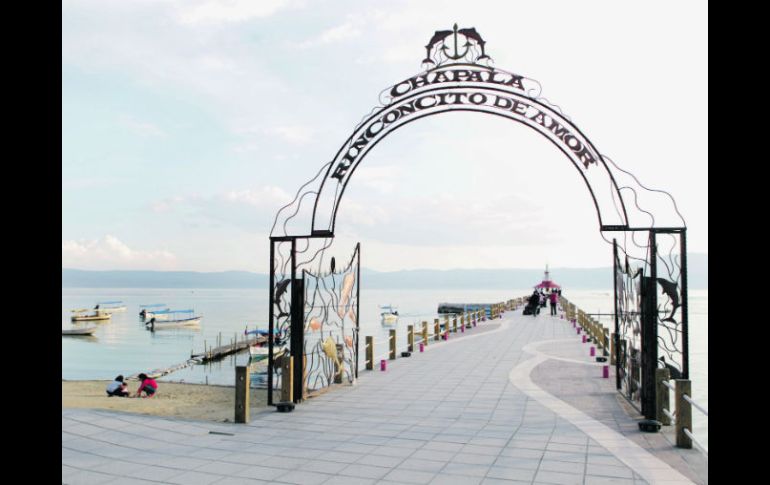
<point x="173" y="320"/>
<point x="79" y="317"/>
<point x="149" y="309"/>
<point x="79" y="331"/>
<point x="111" y="307"/>
<point x="389" y="315"/>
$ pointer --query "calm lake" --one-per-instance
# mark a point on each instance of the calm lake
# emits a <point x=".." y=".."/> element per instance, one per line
<point x="124" y="346"/>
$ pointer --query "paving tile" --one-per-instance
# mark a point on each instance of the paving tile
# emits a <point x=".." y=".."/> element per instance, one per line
<point x="409" y="476"/>
<point x="422" y="465"/>
<point x="194" y="478"/>
<point x="365" y="471"/>
<point x="507" y="473"/>
<point x="609" y="471"/>
<point x="558" y="478"/>
<point x="303" y="478"/>
<point x="447" y="479"/>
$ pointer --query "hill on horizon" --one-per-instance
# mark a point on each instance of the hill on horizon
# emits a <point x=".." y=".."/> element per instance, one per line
<point x="578" y="278"/>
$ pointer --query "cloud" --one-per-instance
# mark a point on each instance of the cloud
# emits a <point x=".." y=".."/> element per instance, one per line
<point x="109" y="252"/>
<point x="227" y="11"/>
<point x="348" y="30"/>
<point x="141" y="128"/>
<point x="263" y="197"/>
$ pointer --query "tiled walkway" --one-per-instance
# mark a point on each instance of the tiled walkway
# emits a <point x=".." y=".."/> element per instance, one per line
<point x="477" y="409"/>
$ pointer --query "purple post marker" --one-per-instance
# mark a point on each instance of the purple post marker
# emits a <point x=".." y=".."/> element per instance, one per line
<point x="606" y="371"/>
<point x="584" y="338"/>
<point x="383" y="365"/>
<point x="593" y="351"/>
<point x="422" y="347"/>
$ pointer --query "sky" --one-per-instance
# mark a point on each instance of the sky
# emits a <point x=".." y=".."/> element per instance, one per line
<point x="186" y="125"/>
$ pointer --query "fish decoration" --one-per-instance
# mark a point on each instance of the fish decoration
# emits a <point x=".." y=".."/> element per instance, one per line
<point x="330" y="349"/>
<point x="345" y="293"/>
<point x="349" y="341"/>
<point x="670" y="289"/>
<point x="315" y="325"/>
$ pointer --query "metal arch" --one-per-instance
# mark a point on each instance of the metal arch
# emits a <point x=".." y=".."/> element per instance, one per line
<point x="459" y="86"/>
<point x="418" y="117"/>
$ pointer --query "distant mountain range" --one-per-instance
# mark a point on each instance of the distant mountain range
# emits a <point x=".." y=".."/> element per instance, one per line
<point x="578" y="278"/>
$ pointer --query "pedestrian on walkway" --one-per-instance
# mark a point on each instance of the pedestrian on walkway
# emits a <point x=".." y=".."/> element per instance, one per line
<point x="553" y="298"/>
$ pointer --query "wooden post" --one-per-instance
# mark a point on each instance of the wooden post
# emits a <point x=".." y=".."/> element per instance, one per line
<point x="369" y="352"/>
<point x="662" y="400"/>
<point x="462" y="320"/>
<point x="606" y="338"/>
<point x="242" y="394"/>
<point x="612" y="349"/>
<point x="446" y="322"/>
<point x="287" y="378"/>
<point x="410" y="338"/>
<point x="425" y="333"/>
<point x="392" y="340"/>
<point x="436" y="330"/>
<point x="454" y="324"/>
<point x="468" y="323"/>
<point x="683" y="413"/>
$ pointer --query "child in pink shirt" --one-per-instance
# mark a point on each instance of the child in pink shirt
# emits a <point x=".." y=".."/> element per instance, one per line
<point x="148" y="385"/>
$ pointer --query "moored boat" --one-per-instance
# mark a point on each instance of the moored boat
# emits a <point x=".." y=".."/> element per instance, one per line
<point x="174" y="321"/>
<point x="147" y="310"/>
<point x="111" y="307"/>
<point x="389" y="315"/>
<point x="79" y="331"/>
<point x="79" y="317"/>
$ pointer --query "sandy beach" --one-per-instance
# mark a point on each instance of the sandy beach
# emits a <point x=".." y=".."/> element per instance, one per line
<point x="191" y="401"/>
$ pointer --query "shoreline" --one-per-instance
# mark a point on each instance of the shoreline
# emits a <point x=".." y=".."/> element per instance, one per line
<point x="208" y="402"/>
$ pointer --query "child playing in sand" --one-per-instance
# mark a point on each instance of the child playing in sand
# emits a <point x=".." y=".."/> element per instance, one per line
<point x="117" y="388"/>
<point x="148" y="385"/>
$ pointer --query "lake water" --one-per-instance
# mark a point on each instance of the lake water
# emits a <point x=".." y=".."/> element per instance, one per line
<point x="125" y="346"/>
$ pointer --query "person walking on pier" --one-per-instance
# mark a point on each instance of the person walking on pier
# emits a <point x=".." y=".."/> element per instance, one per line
<point x="534" y="303"/>
<point x="553" y="298"/>
<point x="148" y="385"/>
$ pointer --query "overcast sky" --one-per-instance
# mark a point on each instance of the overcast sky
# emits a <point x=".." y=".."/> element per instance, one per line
<point x="187" y="124"/>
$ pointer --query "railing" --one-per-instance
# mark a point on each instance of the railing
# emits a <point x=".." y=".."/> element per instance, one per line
<point x="468" y="320"/>
<point x="682" y="416"/>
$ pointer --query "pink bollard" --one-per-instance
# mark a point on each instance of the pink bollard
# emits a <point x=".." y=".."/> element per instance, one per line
<point x="584" y="338"/>
<point x="593" y="351"/>
<point x="422" y="347"/>
<point x="474" y="323"/>
<point x="462" y="329"/>
<point x="383" y="365"/>
<point x="606" y="371"/>
<point x="562" y="317"/>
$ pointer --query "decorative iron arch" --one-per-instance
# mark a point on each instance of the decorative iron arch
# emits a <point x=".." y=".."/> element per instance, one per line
<point x="458" y="77"/>
<point x="459" y="87"/>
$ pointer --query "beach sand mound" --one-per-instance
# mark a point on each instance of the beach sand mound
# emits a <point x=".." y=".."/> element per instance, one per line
<point x="190" y="401"/>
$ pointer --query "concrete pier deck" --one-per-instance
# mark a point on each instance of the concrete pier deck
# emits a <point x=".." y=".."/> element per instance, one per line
<point x="513" y="401"/>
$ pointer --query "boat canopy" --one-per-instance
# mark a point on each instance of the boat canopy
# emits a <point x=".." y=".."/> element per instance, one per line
<point x="173" y="311"/>
<point x="108" y="302"/>
<point x="154" y="305"/>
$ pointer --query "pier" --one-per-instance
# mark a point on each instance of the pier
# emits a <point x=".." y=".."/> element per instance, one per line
<point x="517" y="399"/>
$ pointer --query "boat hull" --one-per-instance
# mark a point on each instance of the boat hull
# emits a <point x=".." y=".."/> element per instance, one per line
<point x="91" y="318"/>
<point x="79" y="331"/>
<point x="187" y="322"/>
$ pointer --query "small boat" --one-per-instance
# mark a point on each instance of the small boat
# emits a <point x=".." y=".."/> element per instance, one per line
<point x="79" y="317"/>
<point x="79" y="331"/>
<point x="148" y="309"/>
<point x="174" y="321"/>
<point x="389" y="315"/>
<point x="258" y="349"/>
<point x="112" y="307"/>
